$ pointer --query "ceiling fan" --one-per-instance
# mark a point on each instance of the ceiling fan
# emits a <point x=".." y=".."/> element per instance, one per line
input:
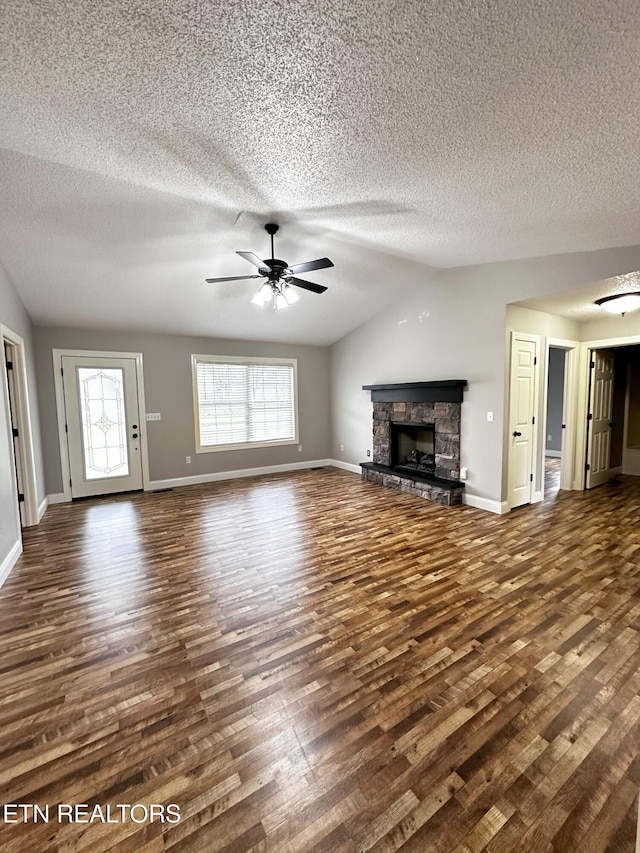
<point x="279" y="276"/>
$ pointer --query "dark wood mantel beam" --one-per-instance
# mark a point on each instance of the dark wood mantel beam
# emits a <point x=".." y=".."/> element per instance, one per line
<point x="445" y="391"/>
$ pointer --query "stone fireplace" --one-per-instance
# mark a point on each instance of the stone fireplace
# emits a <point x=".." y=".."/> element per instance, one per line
<point x="416" y="439"/>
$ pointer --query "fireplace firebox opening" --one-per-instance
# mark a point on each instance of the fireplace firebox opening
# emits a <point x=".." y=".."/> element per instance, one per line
<point x="412" y="447"/>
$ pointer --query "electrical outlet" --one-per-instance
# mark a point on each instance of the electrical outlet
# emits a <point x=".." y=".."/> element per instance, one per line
<point x="299" y="448"/>
<point x="368" y="453"/>
<point x="490" y="417"/>
<point x="188" y="460"/>
<point x="463" y="473"/>
<point x="342" y="447"/>
<point x="548" y="438"/>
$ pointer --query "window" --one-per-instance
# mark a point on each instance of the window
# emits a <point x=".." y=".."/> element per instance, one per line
<point x="244" y="402"/>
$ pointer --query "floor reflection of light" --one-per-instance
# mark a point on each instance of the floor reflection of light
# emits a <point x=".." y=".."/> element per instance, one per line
<point x="111" y="537"/>
<point x="271" y="535"/>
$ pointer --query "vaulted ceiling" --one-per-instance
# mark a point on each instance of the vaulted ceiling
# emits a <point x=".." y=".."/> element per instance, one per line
<point x="145" y="141"/>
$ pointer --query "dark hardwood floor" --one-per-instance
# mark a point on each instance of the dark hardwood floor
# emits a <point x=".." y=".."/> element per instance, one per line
<point x="311" y="663"/>
<point x="551" y="475"/>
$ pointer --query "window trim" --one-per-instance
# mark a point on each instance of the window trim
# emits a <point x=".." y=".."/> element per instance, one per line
<point x="231" y="359"/>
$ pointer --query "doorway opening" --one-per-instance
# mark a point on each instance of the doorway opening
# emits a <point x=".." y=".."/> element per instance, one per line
<point x="559" y="412"/>
<point x="613" y="419"/>
<point x="555" y="419"/>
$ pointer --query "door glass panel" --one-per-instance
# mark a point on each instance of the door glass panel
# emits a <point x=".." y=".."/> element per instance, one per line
<point x="104" y="427"/>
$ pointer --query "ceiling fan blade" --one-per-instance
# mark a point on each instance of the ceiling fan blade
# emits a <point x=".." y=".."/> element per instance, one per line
<point x="320" y="264"/>
<point x="253" y="259"/>
<point x="231" y="278"/>
<point x="306" y="285"/>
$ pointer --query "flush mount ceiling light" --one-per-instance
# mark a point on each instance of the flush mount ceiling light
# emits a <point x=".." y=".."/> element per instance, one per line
<point x="620" y="303"/>
<point x="279" y="275"/>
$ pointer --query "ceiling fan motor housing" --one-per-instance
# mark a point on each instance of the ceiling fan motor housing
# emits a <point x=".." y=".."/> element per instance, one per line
<point x="277" y="268"/>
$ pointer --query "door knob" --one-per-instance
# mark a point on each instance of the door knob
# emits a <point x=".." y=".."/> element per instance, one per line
<point x="516" y="434"/>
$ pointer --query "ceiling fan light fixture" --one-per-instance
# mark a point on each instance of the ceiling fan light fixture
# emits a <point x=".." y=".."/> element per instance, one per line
<point x="281" y="279"/>
<point x="620" y="303"/>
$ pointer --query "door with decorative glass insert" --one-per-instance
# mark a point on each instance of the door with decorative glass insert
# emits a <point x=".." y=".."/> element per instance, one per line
<point x="103" y="425"/>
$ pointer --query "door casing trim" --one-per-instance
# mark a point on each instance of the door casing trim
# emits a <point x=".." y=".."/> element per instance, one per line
<point x="23" y="417"/>
<point x="571" y="350"/>
<point x="582" y="406"/>
<point x="58" y="354"/>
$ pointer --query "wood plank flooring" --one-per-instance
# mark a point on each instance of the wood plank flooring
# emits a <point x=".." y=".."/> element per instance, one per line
<point x="308" y="663"/>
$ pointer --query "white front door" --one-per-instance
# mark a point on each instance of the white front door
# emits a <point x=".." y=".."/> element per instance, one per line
<point x="524" y="351"/>
<point x="103" y="424"/>
<point x="600" y="412"/>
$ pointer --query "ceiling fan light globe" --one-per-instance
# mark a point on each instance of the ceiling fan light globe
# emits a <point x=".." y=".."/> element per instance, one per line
<point x="258" y="299"/>
<point x="267" y="291"/>
<point x="290" y="295"/>
<point x="281" y="302"/>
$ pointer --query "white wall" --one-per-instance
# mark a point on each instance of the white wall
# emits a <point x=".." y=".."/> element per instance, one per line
<point x="454" y="328"/>
<point x="609" y="326"/>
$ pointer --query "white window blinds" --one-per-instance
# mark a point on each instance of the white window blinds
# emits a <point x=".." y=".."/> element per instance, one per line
<point x="244" y="402"/>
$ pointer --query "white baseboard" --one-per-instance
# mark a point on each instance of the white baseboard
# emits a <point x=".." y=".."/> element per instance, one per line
<point x="176" y="482"/>
<point x="43" y="508"/>
<point x="345" y="466"/>
<point x="631" y="460"/>
<point x="9" y="561"/>
<point x="498" y="507"/>
<point x="556" y="454"/>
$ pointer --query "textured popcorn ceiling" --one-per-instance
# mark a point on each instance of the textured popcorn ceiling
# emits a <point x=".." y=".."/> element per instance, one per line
<point x="582" y="306"/>
<point x="144" y="142"/>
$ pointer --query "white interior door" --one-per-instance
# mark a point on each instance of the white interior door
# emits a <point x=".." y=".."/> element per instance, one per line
<point x="103" y="424"/>
<point x="17" y="446"/>
<point x="524" y="353"/>
<point x="600" y="412"/>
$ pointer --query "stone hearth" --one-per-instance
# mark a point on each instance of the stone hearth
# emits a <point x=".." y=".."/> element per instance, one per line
<point x="434" y="404"/>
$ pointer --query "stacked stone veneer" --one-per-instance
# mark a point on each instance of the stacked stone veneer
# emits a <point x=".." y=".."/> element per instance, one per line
<point x="445" y="418"/>
<point x="423" y="489"/>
